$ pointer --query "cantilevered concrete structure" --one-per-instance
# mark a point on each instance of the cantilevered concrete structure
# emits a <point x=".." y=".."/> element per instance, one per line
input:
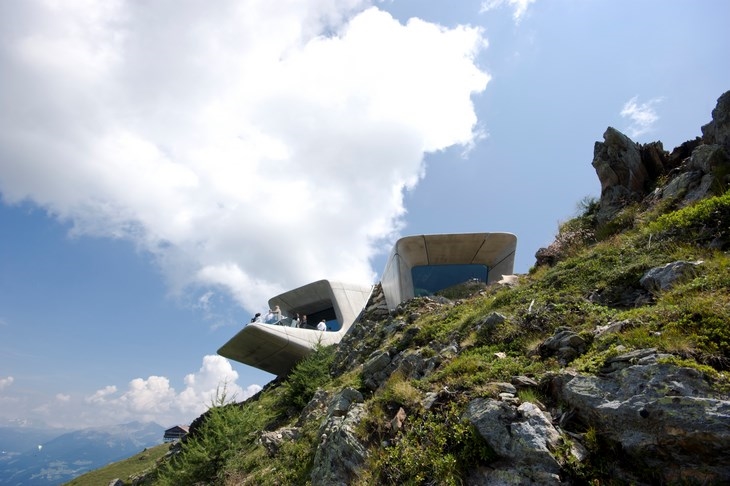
<point x="277" y="348"/>
<point x="427" y="263"/>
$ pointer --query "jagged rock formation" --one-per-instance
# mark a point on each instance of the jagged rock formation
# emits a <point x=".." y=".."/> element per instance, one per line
<point x="663" y="416"/>
<point x="628" y="170"/>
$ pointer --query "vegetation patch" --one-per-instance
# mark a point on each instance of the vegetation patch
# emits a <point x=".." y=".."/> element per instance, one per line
<point x="436" y="447"/>
<point x="310" y="374"/>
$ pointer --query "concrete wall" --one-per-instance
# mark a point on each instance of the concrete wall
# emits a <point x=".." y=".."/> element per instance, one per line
<point x="276" y="349"/>
<point x="494" y="250"/>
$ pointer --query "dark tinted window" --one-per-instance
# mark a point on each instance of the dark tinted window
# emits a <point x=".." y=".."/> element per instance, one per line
<point x="326" y="314"/>
<point x="429" y="279"/>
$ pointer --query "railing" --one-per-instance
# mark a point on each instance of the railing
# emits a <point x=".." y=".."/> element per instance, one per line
<point x="277" y="320"/>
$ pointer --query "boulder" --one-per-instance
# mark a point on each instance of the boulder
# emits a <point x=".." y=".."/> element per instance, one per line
<point x="340" y="455"/>
<point x="663" y="417"/>
<point x="699" y="175"/>
<point x="565" y="344"/>
<point x="315" y="409"/>
<point x="522" y="436"/>
<point x="663" y="278"/>
<point x="272" y="440"/>
<point x="374" y="370"/>
<point x="718" y="130"/>
<point x="343" y="400"/>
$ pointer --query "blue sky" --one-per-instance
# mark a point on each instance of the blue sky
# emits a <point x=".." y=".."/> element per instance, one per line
<point x="165" y="168"/>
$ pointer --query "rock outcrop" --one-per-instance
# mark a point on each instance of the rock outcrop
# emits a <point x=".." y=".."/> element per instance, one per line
<point x="624" y="174"/>
<point x="663" y="417"/>
<point x="340" y="454"/>
<point x="718" y="130"/>
<point x="523" y="437"/>
<point x="628" y="171"/>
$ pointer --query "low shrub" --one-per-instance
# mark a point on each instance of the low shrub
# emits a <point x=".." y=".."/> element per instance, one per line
<point x="434" y="448"/>
<point x="309" y="374"/>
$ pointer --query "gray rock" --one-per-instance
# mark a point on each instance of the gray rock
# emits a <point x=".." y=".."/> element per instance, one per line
<point x="622" y="174"/>
<point x="315" y="408"/>
<point x="611" y="328"/>
<point x="681" y="185"/>
<point x="707" y="158"/>
<point x="486" y="326"/>
<point x="449" y="351"/>
<point x="374" y="370"/>
<point x="507" y="475"/>
<point x="340" y="455"/>
<point x="412" y="364"/>
<point x="272" y="440"/>
<point x="565" y="344"/>
<point x="663" y="416"/>
<point x="493" y="320"/>
<point x="523" y="436"/>
<point x="663" y="278"/>
<point x="429" y="400"/>
<point x="718" y="130"/>
<point x="503" y="387"/>
<point x="341" y="402"/>
<point x="523" y="382"/>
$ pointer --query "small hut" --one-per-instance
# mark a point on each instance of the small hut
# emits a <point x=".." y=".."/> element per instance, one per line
<point x="176" y="433"/>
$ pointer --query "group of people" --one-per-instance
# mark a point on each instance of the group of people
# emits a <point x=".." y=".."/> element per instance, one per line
<point x="275" y="316"/>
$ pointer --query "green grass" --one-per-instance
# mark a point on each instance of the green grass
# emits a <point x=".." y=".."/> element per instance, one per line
<point x="124" y="470"/>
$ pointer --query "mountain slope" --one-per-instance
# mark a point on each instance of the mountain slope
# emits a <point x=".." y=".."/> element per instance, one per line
<point x="74" y="453"/>
<point x="606" y="364"/>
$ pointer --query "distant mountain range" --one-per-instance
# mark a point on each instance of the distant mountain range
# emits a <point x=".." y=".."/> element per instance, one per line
<point x="36" y="456"/>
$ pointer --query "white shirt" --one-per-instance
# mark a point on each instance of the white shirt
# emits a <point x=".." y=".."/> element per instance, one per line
<point x="321" y="326"/>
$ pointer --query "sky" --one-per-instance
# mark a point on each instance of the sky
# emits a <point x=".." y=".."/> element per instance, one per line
<point x="166" y="167"/>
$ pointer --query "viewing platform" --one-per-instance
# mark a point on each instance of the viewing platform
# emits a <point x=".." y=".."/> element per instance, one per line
<point x="277" y="347"/>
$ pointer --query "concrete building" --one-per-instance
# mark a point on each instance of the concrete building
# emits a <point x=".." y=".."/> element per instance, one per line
<point x="276" y="348"/>
<point x="417" y="265"/>
<point x="424" y="264"/>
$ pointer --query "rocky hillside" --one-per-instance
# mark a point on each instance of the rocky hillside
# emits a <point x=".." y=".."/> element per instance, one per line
<point x="606" y="364"/>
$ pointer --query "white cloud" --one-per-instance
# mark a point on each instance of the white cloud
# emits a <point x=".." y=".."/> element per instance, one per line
<point x="642" y="116"/>
<point x="519" y="7"/>
<point x="6" y="382"/>
<point x="102" y="395"/>
<point x="249" y="146"/>
<point x="61" y="397"/>
<point x="154" y="399"/>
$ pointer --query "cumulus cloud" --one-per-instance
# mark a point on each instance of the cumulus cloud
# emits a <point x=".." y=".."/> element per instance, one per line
<point x="102" y="395"/>
<point x="249" y="146"/>
<point x="62" y="397"/>
<point x="154" y="399"/>
<point x="642" y="115"/>
<point x="519" y="7"/>
<point x="6" y="382"/>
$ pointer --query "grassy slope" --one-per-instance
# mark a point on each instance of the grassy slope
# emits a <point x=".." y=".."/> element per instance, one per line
<point x="123" y="470"/>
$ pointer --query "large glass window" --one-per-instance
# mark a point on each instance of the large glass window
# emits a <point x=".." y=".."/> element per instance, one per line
<point x="313" y="317"/>
<point x="429" y="279"/>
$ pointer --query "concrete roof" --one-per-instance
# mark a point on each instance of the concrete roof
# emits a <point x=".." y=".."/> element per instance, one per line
<point x="276" y="349"/>
<point x="494" y="250"/>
